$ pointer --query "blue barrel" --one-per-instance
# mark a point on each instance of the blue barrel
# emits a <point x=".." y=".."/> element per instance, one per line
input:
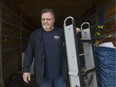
<point x="105" y="60"/>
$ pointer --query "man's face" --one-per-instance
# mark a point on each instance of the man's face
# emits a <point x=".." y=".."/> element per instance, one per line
<point x="47" y="20"/>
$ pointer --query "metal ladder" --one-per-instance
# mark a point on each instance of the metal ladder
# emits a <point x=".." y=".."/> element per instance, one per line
<point x="77" y="76"/>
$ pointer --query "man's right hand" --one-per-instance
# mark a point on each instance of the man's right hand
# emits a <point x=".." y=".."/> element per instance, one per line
<point x="26" y="77"/>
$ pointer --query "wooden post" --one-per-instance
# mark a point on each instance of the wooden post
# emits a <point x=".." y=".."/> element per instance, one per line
<point x="1" y="76"/>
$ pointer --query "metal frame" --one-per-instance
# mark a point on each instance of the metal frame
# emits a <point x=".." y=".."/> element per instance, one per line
<point x="89" y="72"/>
<point x="79" y="77"/>
<point x="72" y="54"/>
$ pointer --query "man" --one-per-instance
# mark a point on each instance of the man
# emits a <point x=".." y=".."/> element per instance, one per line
<point x="46" y="46"/>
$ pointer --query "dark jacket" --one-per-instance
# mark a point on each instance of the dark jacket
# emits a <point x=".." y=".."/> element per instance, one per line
<point x="35" y="50"/>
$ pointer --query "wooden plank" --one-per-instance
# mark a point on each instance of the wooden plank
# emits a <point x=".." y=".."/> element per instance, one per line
<point x="13" y="25"/>
<point x="9" y="30"/>
<point x="10" y="43"/>
<point x="109" y="12"/>
<point x="14" y="34"/>
<point x="1" y="74"/>
<point x="109" y="21"/>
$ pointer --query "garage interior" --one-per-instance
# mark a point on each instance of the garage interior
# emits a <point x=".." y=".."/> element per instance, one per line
<point x="19" y="18"/>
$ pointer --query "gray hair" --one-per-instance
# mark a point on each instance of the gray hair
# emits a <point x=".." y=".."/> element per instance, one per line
<point x="48" y="10"/>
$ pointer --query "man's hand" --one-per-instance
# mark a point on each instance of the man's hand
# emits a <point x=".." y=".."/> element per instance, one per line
<point x="26" y="77"/>
<point x="78" y="30"/>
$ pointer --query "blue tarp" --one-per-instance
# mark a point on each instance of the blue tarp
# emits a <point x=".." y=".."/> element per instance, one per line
<point x="105" y="60"/>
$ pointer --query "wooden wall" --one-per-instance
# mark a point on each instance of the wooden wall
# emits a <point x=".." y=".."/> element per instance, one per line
<point x="90" y="16"/>
<point x="15" y="29"/>
<point x="108" y="32"/>
<point x="102" y="19"/>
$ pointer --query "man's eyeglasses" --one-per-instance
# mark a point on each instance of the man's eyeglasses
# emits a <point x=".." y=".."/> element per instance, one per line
<point x="48" y="19"/>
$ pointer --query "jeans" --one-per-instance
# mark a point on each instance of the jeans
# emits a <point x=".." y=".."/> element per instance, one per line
<point x="58" y="82"/>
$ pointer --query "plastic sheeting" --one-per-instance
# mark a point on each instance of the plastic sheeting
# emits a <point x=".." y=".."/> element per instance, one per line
<point x="105" y="60"/>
